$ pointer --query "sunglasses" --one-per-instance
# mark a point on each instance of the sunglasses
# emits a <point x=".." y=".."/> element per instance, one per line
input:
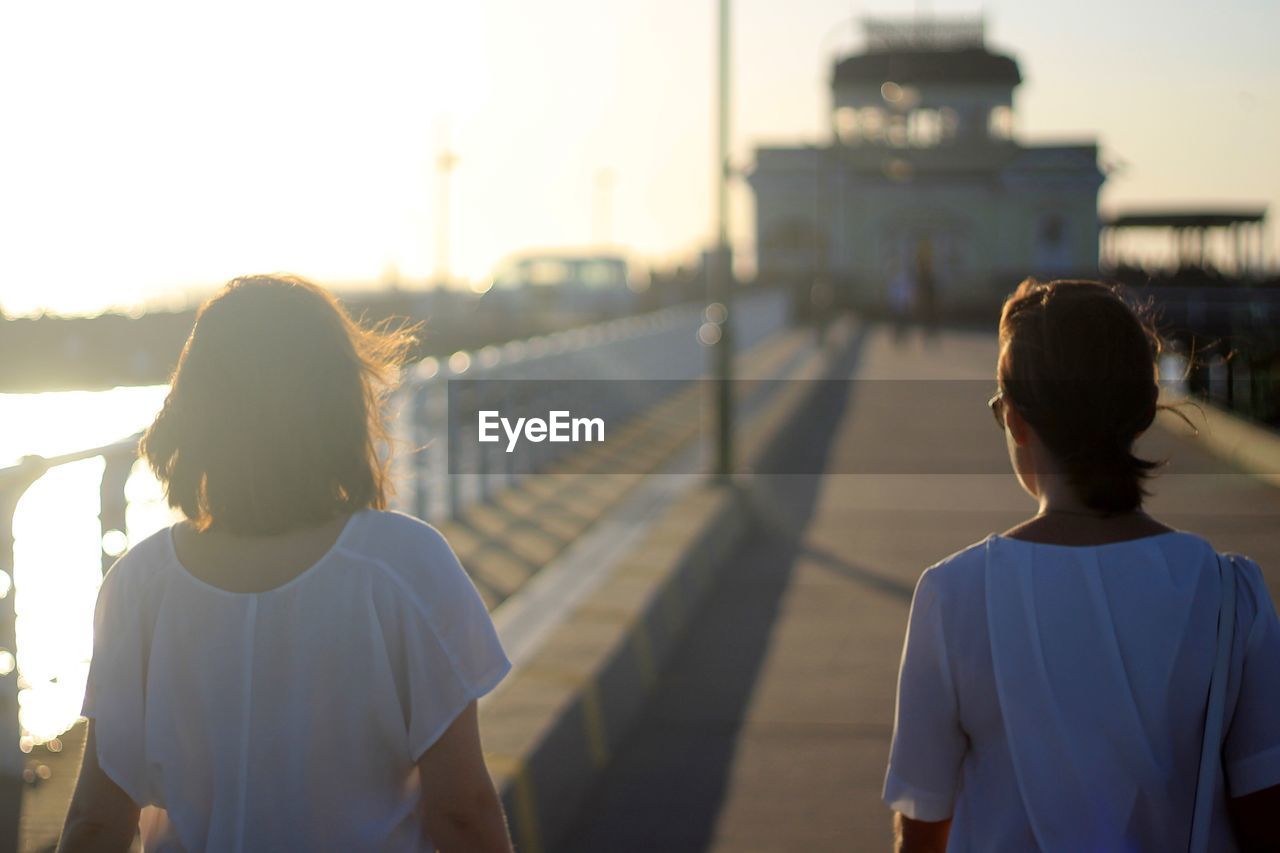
<point x="996" y="405"/>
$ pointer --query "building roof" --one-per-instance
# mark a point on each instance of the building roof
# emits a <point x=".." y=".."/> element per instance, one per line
<point x="966" y="65"/>
<point x="1184" y="218"/>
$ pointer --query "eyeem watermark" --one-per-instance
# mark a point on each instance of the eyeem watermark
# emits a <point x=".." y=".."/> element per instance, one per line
<point x="558" y="427"/>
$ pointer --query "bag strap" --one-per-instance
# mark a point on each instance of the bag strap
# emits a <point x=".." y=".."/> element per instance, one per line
<point x="1211" y="748"/>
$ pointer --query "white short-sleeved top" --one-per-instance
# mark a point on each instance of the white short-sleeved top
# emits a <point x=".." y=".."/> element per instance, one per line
<point x="1053" y="697"/>
<point x="290" y="719"/>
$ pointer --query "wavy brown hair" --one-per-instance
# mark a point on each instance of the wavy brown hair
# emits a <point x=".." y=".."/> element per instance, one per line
<point x="274" y="419"/>
<point x="1078" y="363"/>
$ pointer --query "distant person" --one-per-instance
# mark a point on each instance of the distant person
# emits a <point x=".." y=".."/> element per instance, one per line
<point x="1056" y="678"/>
<point x="902" y="300"/>
<point x="924" y="292"/>
<point x="822" y="308"/>
<point x="292" y="667"/>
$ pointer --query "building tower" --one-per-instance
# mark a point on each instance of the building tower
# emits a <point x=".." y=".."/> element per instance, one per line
<point x="924" y="175"/>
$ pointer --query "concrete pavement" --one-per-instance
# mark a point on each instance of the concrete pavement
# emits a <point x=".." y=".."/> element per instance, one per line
<point x="770" y="731"/>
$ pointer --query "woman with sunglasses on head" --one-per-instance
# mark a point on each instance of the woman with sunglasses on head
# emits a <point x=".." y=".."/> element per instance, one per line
<point x="292" y="667"/>
<point x="1086" y="681"/>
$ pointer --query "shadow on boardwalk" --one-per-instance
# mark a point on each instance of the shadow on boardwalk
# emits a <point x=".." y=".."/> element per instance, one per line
<point x="769" y="730"/>
<point x="665" y="789"/>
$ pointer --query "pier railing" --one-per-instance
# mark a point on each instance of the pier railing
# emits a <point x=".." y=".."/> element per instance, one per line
<point x="433" y="418"/>
<point x="448" y="469"/>
<point x="14" y="482"/>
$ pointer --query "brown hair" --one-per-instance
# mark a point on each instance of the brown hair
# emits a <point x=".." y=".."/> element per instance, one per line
<point x="274" y="416"/>
<point x="1078" y="363"/>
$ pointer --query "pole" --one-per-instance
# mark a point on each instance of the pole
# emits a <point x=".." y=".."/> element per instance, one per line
<point x="445" y="164"/>
<point x="721" y="278"/>
<point x="12" y="761"/>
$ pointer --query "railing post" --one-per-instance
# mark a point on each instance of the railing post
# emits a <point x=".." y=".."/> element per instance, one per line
<point x="453" y="457"/>
<point x="474" y="405"/>
<point x="12" y="762"/>
<point x="418" y="413"/>
<point x="536" y="453"/>
<point x="113" y="515"/>
<point x="508" y="463"/>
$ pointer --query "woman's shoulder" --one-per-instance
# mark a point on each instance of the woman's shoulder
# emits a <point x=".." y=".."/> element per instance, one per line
<point x="394" y="537"/>
<point x="136" y="581"/>
<point x="413" y="553"/>
<point x="964" y="564"/>
<point x="954" y="575"/>
<point x="1159" y="537"/>
<point x="1185" y="555"/>
<point x="144" y="559"/>
<point x="1253" y="596"/>
<point x="966" y="569"/>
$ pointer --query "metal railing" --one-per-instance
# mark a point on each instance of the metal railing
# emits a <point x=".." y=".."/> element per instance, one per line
<point x="444" y="472"/>
<point x="14" y="482"/>
<point x="448" y="469"/>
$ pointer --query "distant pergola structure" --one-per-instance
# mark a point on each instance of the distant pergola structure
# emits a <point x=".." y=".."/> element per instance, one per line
<point x="1242" y="237"/>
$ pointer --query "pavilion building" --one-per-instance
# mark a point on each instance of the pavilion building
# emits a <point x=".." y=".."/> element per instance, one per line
<point x="925" y="176"/>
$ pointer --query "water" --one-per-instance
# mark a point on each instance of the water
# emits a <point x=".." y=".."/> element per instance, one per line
<point x="57" y="538"/>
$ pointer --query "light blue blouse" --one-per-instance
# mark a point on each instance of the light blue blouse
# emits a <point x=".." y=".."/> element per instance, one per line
<point x="1053" y="697"/>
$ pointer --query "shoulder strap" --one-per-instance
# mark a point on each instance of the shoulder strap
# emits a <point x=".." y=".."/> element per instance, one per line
<point x="1211" y="748"/>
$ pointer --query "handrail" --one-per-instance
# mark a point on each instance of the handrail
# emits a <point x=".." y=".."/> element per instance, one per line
<point x="44" y="463"/>
<point x="660" y="346"/>
<point x="448" y="474"/>
<point x="14" y="482"/>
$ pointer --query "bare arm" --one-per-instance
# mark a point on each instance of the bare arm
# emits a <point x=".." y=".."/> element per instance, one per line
<point x="461" y="808"/>
<point x="1256" y="819"/>
<point x="919" y="836"/>
<point x="101" y="817"/>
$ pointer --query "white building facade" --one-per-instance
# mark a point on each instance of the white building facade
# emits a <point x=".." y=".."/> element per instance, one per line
<point x="925" y="177"/>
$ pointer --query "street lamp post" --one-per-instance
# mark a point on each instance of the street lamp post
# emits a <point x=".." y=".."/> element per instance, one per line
<point x="446" y="162"/>
<point x="720" y="278"/>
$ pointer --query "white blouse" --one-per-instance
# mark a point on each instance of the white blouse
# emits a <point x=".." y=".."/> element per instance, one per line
<point x="1053" y="697"/>
<point x="290" y="719"/>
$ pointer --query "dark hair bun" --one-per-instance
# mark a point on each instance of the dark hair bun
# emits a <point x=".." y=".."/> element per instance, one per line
<point x="1078" y="363"/>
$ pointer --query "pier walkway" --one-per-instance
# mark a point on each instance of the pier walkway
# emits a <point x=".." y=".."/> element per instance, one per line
<point x="516" y="526"/>
<point x="770" y="729"/>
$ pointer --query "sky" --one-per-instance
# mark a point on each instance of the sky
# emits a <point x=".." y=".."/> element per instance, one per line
<point x="152" y="150"/>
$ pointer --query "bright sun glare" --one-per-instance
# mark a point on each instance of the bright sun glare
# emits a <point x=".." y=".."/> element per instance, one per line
<point x="58" y="539"/>
<point x="252" y="137"/>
